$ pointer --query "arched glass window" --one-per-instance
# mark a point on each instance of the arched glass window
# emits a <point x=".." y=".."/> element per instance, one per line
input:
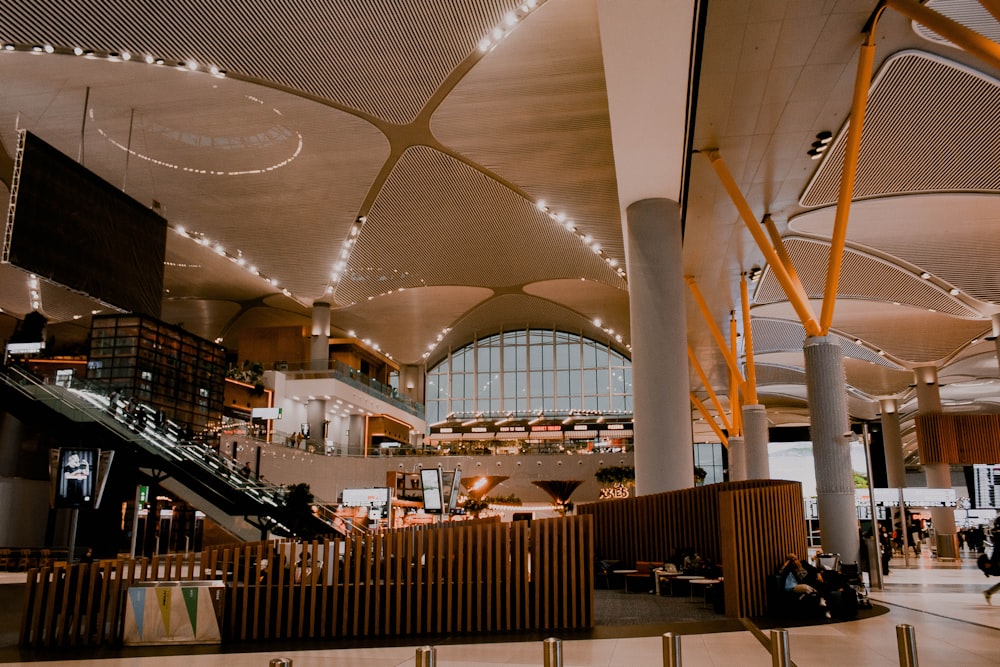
<point x="523" y="372"/>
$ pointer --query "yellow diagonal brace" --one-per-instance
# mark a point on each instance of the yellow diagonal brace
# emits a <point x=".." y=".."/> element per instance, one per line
<point x="956" y="33"/>
<point x="711" y="422"/>
<point x="735" y="404"/>
<point x="751" y="389"/>
<point x="793" y="289"/>
<point x="708" y="387"/>
<point x="848" y="175"/>
<point x="713" y="328"/>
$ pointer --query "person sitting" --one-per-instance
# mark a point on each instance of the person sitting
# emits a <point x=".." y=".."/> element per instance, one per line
<point x="693" y="563"/>
<point x="804" y="581"/>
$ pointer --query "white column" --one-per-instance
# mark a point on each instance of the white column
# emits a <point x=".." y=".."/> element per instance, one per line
<point x="319" y="342"/>
<point x="892" y="444"/>
<point x="938" y="474"/>
<point x="830" y="430"/>
<point x="664" y="457"/>
<point x="737" y="459"/>
<point x="756" y="436"/>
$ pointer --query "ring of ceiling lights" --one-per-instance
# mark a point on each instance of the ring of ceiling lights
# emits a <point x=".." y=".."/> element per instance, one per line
<point x="257" y="140"/>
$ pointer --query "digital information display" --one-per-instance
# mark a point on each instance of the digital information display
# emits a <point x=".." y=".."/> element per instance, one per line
<point x="985" y="486"/>
<point x="71" y="227"/>
<point x="430" y="483"/>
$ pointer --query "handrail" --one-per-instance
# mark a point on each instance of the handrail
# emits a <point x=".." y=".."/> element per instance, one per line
<point x="165" y="442"/>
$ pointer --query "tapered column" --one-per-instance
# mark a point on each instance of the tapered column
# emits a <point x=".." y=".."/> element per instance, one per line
<point x="892" y="444"/>
<point x="996" y="332"/>
<point x="756" y="435"/>
<point x="412" y="382"/>
<point x="664" y="459"/>
<point x="737" y="459"/>
<point x="319" y="341"/>
<point x="938" y="474"/>
<point x="830" y="430"/>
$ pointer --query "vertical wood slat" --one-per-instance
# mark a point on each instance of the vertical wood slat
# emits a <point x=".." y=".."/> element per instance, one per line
<point x="692" y="519"/>
<point x="958" y="439"/>
<point x="453" y="578"/>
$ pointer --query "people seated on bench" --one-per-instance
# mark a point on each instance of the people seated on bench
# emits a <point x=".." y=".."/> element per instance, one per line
<point x="804" y="584"/>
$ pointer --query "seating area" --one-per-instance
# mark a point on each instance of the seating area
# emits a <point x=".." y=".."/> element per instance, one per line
<point x="21" y="559"/>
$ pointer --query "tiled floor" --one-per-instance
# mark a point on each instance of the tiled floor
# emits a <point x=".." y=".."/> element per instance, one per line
<point x="942" y="601"/>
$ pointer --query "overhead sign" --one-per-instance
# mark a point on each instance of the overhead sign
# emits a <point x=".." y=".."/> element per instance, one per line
<point x="535" y="428"/>
<point x="266" y="413"/>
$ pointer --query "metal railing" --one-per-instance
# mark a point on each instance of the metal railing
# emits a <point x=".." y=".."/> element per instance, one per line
<point x="137" y="424"/>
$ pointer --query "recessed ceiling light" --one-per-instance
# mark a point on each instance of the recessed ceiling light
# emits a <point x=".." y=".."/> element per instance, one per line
<point x="925" y="275"/>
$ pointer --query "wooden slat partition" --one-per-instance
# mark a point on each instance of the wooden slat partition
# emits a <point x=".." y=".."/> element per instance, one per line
<point x="741" y="525"/>
<point x="958" y="439"/>
<point x="759" y="527"/>
<point x="474" y="576"/>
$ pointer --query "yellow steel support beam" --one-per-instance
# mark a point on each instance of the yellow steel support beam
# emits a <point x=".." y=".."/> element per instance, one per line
<point x="708" y="387"/>
<point x="956" y="33"/>
<point x="751" y="390"/>
<point x="713" y="327"/>
<point x="711" y="422"/>
<point x="848" y="176"/>
<point x="793" y="289"/>
<point x="735" y="404"/>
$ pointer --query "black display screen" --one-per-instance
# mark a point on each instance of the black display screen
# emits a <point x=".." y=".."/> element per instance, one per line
<point x="73" y="228"/>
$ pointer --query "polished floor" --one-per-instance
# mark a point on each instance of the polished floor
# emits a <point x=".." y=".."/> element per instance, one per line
<point x="943" y="602"/>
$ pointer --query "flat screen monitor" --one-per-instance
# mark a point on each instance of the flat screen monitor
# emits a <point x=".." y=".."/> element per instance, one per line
<point x="70" y="227"/>
<point x="76" y="477"/>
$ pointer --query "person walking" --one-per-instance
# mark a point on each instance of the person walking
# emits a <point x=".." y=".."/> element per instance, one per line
<point x="991" y="566"/>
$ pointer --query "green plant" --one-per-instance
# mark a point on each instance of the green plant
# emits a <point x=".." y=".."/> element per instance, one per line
<point x="250" y="372"/>
<point x="475" y="506"/>
<point x="612" y="475"/>
<point x="298" y="512"/>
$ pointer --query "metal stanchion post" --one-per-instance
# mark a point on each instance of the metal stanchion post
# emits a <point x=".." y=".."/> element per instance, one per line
<point x="552" y="652"/>
<point x="671" y="650"/>
<point x="906" y="640"/>
<point x="426" y="656"/>
<point x="780" y="655"/>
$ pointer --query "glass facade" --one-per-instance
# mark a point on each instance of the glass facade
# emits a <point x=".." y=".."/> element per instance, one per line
<point x="528" y="371"/>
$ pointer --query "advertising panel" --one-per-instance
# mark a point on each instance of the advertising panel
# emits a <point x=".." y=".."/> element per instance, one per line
<point x="430" y="481"/>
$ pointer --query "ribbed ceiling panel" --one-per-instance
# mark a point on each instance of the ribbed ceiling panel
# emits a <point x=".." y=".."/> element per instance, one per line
<point x="552" y="117"/>
<point x="969" y="13"/>
<point x="774" y="335"/>
<point x="962" y="252"/>
<point x="383" y="58"/>
<point x="767" y="374"/>
<point x="862" y="277"/>
<point x="912" y="335"/>
<point x="878" y="381"/>
<point x="771" y="335"/>
<point x="931" y="126"/>
<point x="438" y="221"/>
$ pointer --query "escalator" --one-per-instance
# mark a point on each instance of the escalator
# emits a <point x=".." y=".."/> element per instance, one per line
<point x="244" y="506"/>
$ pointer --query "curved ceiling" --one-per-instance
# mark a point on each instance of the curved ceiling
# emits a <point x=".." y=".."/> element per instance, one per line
<point x="445" y="169"/>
